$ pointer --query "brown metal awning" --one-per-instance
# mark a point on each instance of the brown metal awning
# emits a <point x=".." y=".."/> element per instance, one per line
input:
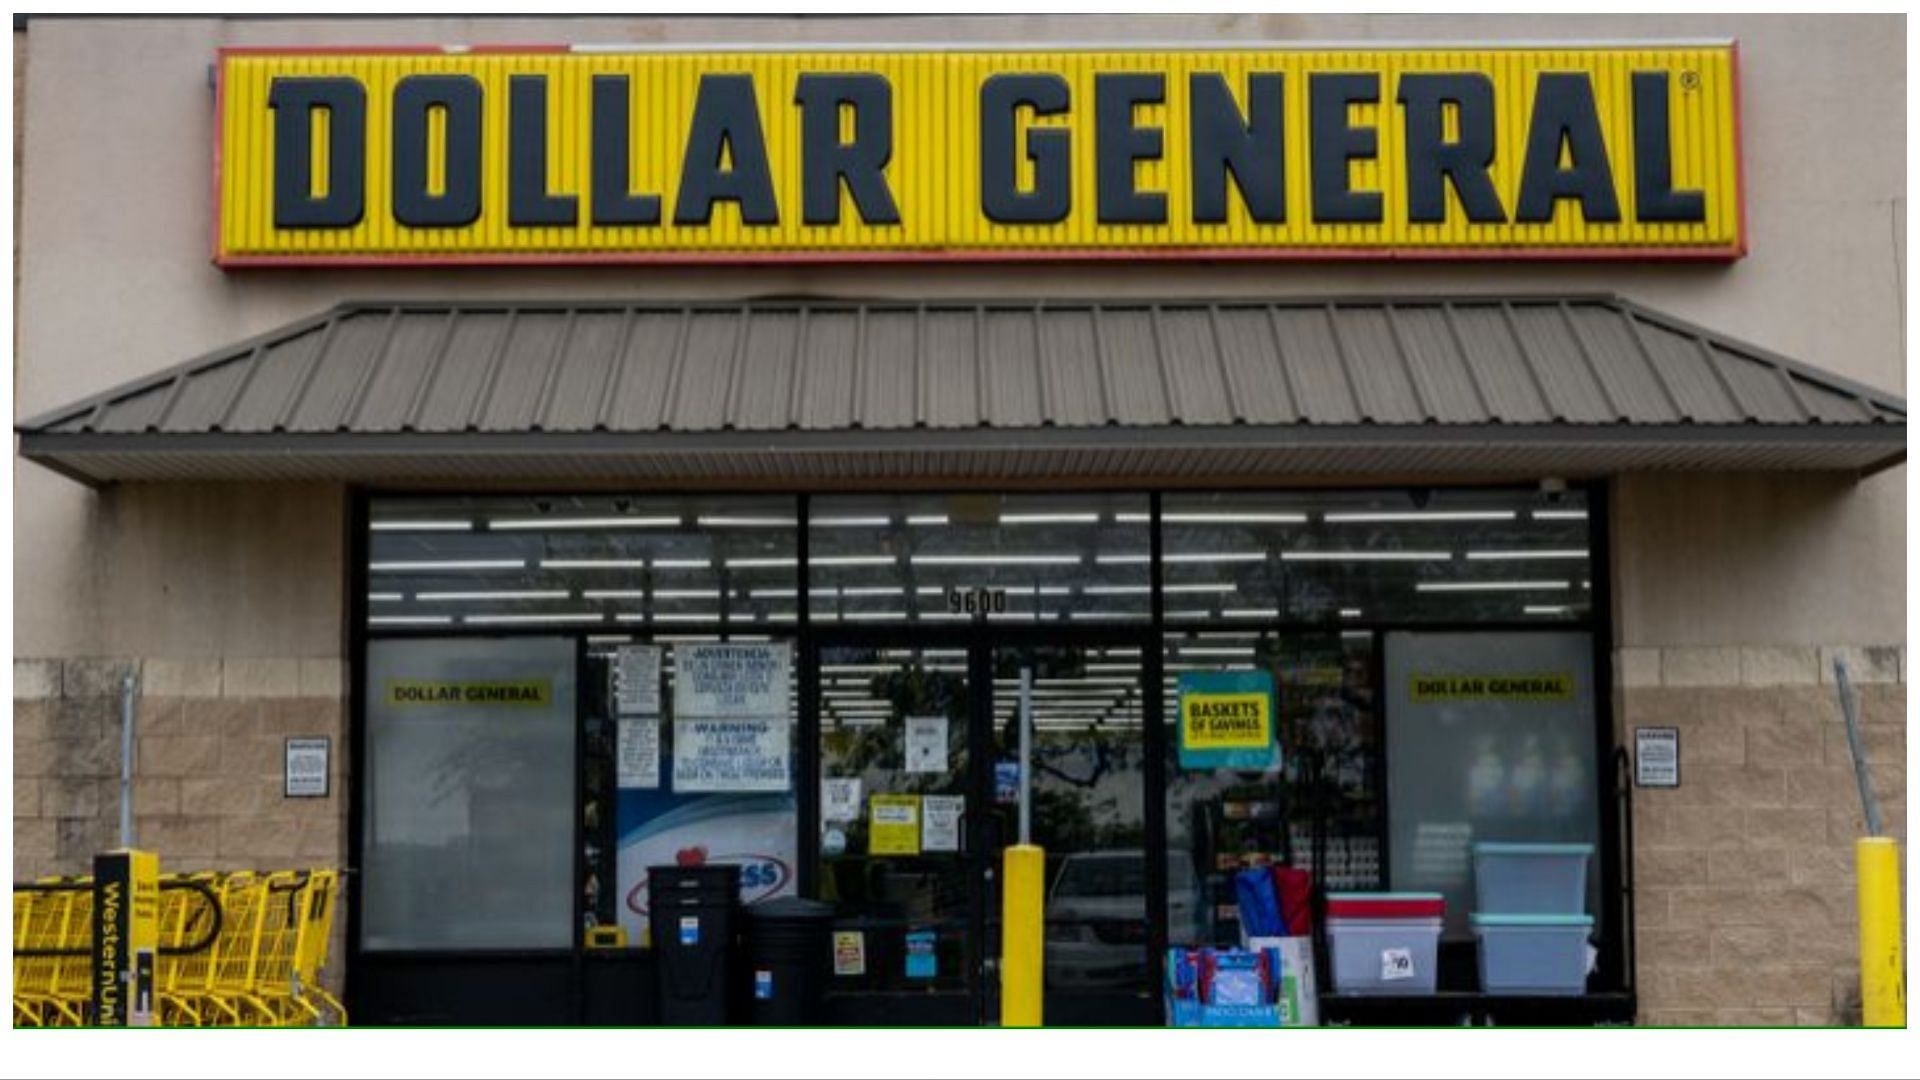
<point x="831" y="392"/>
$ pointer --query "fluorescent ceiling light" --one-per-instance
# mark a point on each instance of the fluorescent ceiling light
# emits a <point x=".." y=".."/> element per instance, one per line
<point x="1185" y="557"/>
<point x="498" y="594"/>
<point x="1365" y="556"/>
<point x="1216" y="650"/>
<point x="1250" y="613"/>
<point x="1546" y="609"/>
<point x="686" y="616"/>
<point x="850" y="616"/>
<point x="593" y="564"/>
<point x="686" y="594"/>
<point x="780" y="616"/>
<point x="758" y="564"/>
<point x="383" y="597"/>
<point x="1234" y="518"/>
<point x="869" y="590"/>
<point x="1383" y="517"/>
<point x="448" y="564"/>
<point x="613" y="594"/>
<point x="1190" y="613"/>
<point x="1489" y="586"/>
<point x="409" y="620"/>
<point x="851" y="560"/>
<point x="1106" y="614"/>
<point x="996" y="560"/>
<point x="726" y="521"/>
<point x="1049" y="519"/>
<point x="397" y="525"/>
<point x="1349" y="612"/>
<point x="943" y="615"/>
<point x="1511" y="556"/>
<point x="926" y="519"/>
<point x="849" y="522"/>
<point x="608" y="639"/>
<point x="1559" y="515"/>
<point x="571" y="617"/>
<point x="507" y="524"/>
<point x="683" y="564"/>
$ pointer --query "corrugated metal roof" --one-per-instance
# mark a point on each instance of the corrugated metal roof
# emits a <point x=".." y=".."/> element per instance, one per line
<point x="372" y="390"/>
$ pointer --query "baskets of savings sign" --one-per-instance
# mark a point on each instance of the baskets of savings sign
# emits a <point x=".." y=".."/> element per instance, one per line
<point x="1226" y="720"/>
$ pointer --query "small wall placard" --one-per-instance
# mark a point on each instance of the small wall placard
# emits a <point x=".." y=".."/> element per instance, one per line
<point x="308" y="761"/>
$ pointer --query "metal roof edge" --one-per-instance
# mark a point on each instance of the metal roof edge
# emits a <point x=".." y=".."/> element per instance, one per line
<point x="206" y="361"/>
<point x="1818" y="376"/>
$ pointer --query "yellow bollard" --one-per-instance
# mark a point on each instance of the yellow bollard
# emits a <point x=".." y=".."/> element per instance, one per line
<point x="1021" y="936"/>
<point x="1883" y="990"/>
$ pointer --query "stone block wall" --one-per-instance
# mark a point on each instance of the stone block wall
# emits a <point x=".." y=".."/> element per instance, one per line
<point x="209" y="758"/>
<point x="1745" y="906"/>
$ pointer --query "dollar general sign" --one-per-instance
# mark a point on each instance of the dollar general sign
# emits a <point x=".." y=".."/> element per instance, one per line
<point x="575" y="156"/>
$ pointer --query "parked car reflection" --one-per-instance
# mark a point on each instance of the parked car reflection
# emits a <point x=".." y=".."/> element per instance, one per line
<point x="1097" y="917"/>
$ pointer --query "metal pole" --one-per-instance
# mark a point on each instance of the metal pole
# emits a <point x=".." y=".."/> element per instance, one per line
<point x="1026" y="755"/>
<point x="1850" y="709"/>
<point x="128" y="685"/>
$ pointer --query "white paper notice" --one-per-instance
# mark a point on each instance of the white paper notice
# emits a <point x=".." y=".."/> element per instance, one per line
<point x="636" y="680"/>
<point x="731" y="755"/>
<point x="926" y="744"/>
<point x="840" y="798"/>
<point x="639" y="756"/>
<point x="731" y="679"/>
<point x="940" y="822"/>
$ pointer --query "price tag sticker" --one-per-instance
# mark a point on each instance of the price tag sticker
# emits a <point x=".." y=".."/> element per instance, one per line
<point x="1396" y="965"/>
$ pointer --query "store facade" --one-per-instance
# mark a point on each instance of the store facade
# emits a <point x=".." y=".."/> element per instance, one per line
<point x="909" y="386"/>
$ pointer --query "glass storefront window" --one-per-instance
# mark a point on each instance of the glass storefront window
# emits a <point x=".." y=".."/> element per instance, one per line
<point x="469" y="794"/>
<point x="953" y="559"/>
<point x="1320" y="810"/>
<point x="1398" y="555"/>
<point x="596" y="562"/>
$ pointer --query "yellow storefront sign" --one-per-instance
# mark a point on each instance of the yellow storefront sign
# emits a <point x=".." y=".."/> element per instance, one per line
<point x="1529" y="686"/>
<point x="435" y="155"/>
<point x="529" y="693"/>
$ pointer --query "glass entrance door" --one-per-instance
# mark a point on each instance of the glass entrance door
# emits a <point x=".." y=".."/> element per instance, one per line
<point x="920" y="769"/>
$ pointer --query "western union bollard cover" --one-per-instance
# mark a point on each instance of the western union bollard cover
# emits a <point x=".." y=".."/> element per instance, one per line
<point x="1226" y="720"/>
<point x="126" y="932"/>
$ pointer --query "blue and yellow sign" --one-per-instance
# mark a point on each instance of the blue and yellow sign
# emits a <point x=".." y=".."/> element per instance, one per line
<point x="1227" y="720"/>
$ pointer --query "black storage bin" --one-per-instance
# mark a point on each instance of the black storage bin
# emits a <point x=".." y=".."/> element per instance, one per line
<point x="693" y="917"/>
<point x="789" y="956"/>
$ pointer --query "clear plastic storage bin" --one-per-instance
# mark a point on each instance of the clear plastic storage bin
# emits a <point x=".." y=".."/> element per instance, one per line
<point x="1533" y="954"/>
<point x="1384" y="956"/>
<point x="1531" y="879"/>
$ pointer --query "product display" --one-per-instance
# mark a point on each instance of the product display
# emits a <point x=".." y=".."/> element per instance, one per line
<point x="1384" y="943"/>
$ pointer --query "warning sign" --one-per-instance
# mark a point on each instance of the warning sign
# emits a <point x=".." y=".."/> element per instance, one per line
<point x="1226" y="720"/>
<point x="1528" y="686"/>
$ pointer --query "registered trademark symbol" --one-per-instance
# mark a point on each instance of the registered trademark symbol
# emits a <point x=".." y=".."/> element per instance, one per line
<point x="1689" y="80"/>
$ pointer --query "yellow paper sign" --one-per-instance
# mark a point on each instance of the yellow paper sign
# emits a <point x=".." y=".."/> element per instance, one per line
<point x="893" y="825"/>
<point x="1531" y="686"/>
<point x="427" y="154"/>
<point x="520" y="692"/>
<point x="1227" y="721"/>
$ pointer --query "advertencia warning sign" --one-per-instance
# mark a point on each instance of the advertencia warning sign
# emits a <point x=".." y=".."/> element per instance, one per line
<point x="731" y="680"/>
<point x="1226" y="720"/>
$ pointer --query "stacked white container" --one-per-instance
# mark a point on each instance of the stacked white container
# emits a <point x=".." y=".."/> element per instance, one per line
<point x="1532" y="920"/>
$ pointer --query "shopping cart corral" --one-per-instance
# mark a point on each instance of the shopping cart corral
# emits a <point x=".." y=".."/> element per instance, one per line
<point x="236" y="949"/>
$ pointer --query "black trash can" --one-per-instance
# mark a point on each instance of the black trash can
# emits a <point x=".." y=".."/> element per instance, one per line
<point x="789" y="957"/>
<point x="693" y="917"/>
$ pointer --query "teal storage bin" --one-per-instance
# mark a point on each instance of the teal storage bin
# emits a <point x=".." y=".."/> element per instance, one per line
<point x="1531" y="879"/>
<point x="1533" y="954"/>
